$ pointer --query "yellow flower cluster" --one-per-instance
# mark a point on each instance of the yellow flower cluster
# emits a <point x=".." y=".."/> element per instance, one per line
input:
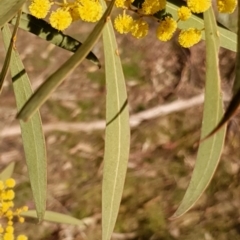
<point x="91" y="11"/>
<point x="67" y="11"/>
<point x="7" y="214"/>
<point x="125" y="23"/>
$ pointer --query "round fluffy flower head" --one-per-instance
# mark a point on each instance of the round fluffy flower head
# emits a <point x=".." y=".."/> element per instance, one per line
<point x="90" y="10"/>
<point x="166" y="29"/>
<point x="226" y="6"/>
<point x="123" y="3"/>
<point x="8" y="236"/>
<point x="10" y="183"/>
<point x="9" y="229"/>
<point x="189" y="37"/>
<point x="22" y="237"/>
<point x="123" y="23"/>
<point x="39" y="8"/>
<point x="139" y="28"/>
<point x="184" y="13"/>
<point x="150" y="7"/>
<point x="60" y="19"/>
<point x="198" y="6"/>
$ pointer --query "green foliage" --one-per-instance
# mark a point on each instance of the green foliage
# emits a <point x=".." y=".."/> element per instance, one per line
<point x="117" y="135"/>
<point x="7" y="172"/>
<point x="44" y="91"/>
<point x="32" y="134"/>
<point x="210" y="150"/>
<point x="8" y="9"/>
<point x="55" y="217"/>
<point x="117" y="138"/>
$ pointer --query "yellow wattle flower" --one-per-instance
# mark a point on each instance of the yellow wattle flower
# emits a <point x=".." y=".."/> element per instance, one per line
<point x="166" y="29"/>
<point x="198" y="6"/>
<point x="189" y="37"/>
<point x="123" y="23"/>
<point x="139" y="28"/>
<point x="150" y="7"/>
<point x="90" y="10"/>
<point x="40" y="8"/>
<point x="226" y="6"/>
<point x="7" y="213"/>
<point x="184" y="13"/>
<point x="60" y="19"/>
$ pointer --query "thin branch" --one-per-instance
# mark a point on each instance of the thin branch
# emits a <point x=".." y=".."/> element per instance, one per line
<point x="135" y="119"/>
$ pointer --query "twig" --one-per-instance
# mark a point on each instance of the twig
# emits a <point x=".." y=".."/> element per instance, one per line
<point x="135" y="120"/>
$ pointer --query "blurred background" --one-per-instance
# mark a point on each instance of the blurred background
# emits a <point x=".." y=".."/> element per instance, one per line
<point x="163" y="150"/>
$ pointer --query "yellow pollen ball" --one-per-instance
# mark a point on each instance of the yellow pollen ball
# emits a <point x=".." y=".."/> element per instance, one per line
<point x="10" y="194"/>
<point x="188" y="38"/>
<point x="184" y="13"/>
<point x="39" y="8"/>
<point x="150" y="7"/>
<point x="10" y="223"/>
<point x="123" y="23"/>
<point x="90" y="10"/>
<point x="226" y="6"/>
<point x="10" y="183"/>
<point x="60" y="19"/>
<point x="166" y="29"/>
<point x="22" y="237"/>
<point x="198" y="6"/>
<point x="9" y="229"/>
<point x="8" y="236"/>
<point x="139" y="28"/>
<point x="21" y="220"/>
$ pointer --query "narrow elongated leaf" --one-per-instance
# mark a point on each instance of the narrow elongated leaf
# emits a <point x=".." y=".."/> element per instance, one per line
<point x="117" y="138"/>
<point x="8" y="9"/>
<point x="7" y="172"/>
<point x="45" y="31"/>
<point x="210" y="150"/>
<point x="235" y="102"/>
<point x="228" y="39"/>
<point x="43" y="92"/>
<point x="7" y="59"/>
<point x="54" y="217"/>
<point x="32" y="134"/>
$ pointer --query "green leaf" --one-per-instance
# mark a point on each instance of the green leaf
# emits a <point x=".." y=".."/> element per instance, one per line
<point x="210" y="150"/>
<point x="44" y="30"/>
<point x="8" y="9"/>
<point x="32" y="134"/>
<point x="43" y="92"/>
<point x="235" y="101"/>
<point x="117" y="136"/>
<point x="7" y="60"/>
<point x="54" y="217"/>
<point x="7" y="171"/>
<point x="228" y="39"/>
